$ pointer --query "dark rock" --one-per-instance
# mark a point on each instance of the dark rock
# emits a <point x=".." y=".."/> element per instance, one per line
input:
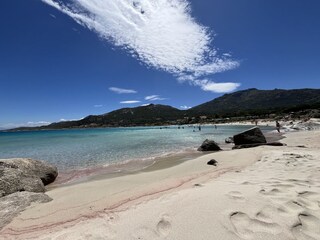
<point x="251" y="136"/>
<point x="18" y="175"/>
<point x="13" y="204"/>
<point x="276" y="144"/>
<point x="229" y="140"/>
<point x="209" y="145"/>
<point x="212" y="162"/>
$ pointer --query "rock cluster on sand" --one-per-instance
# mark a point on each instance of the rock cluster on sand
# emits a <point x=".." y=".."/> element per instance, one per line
<point x="209" y="145"/>
<point x="17" y="175"/>
<point x="22" y="182"/>
<point x="251" y="136"/>
<point x="13" y="204"/>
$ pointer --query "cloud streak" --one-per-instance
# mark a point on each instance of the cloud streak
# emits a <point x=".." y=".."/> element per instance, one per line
<point x="162" y="34"/>
<point x="122" y="90"/>
<point x="130" y="102"/>
<point x="154" y="98"/>
<point x="210" y="86"/>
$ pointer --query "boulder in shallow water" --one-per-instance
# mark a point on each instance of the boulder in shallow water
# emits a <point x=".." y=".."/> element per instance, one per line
<point x="209" y="145"/>
<point x="251" y="136"/>
<point x="19" y="174"/>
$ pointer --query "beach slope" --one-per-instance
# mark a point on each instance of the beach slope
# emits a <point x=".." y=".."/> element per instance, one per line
<point x="259" y="193"/>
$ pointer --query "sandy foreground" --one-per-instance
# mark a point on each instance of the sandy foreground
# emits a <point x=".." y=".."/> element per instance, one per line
<point x="259" y="193"/>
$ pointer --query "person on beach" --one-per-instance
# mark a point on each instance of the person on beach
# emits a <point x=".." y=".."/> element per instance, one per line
<point x="278" y="126"/>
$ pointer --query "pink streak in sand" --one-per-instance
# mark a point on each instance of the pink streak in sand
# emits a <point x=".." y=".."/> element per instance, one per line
<point x="117" y="207"/>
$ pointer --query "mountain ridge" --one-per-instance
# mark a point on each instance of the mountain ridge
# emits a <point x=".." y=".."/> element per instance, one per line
<point x="250" y="102"/>
<point x="254" y="101"/>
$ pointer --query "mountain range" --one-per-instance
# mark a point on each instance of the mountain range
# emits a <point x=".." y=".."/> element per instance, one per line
<point x="250" y="102"/>
<point x="257" y="102"/>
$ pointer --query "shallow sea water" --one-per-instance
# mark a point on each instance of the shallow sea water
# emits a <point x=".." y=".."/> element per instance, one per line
<point x="93" y="148"/>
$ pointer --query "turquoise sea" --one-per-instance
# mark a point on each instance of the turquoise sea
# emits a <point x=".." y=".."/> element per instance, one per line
<point x="94" y="148"/>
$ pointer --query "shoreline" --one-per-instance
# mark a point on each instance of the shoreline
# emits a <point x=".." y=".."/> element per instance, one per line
<point x="75" y="176"/>
<point x="104" y="206"/>
<point x="121" y="169"/>
<point x="98" y="161"/>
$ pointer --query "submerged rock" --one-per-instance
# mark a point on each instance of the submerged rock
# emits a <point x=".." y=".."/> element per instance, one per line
<point x="209" y="145"/>
<point x="20" y="174"/>
<point x="251" y="136"/>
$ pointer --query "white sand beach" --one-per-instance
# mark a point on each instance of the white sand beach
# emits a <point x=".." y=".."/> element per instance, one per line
<point x="259" y="193"/>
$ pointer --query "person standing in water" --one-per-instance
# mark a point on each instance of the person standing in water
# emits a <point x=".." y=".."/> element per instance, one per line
<point x="278" y="126"/>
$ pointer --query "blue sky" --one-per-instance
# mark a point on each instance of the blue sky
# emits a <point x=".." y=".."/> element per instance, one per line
<point x="61" y="60"/>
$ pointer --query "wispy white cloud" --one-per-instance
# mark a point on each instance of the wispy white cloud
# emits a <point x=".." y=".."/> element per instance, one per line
<point x="53" y="16"/>
<point x="154" y="98"/>
<point x="161" y="34"/>
<point x="130" y="102"/>
<point x="210" y="86"/>
<point x="145" y="105"/>
<point x="184" y="107"/>
<point x="67" y="120"/>
<point x="227" y="54"/>
<point x="98" y="106"/>
<point x="122" y="90"/>
<point x="39" y="123"/>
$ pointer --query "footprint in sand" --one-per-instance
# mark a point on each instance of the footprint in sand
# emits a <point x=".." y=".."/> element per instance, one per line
<point x="272" y="192"/>
<point x="309" y="194"/>
<point x="246" y="227"/>
<point x="292" y="206"/>
<point x="267" y="213"/>
<point x="164" y="226"/>
<point x="307" y="227"/>
<point x="235" y="195"/>
<point x="309" y="204"/>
